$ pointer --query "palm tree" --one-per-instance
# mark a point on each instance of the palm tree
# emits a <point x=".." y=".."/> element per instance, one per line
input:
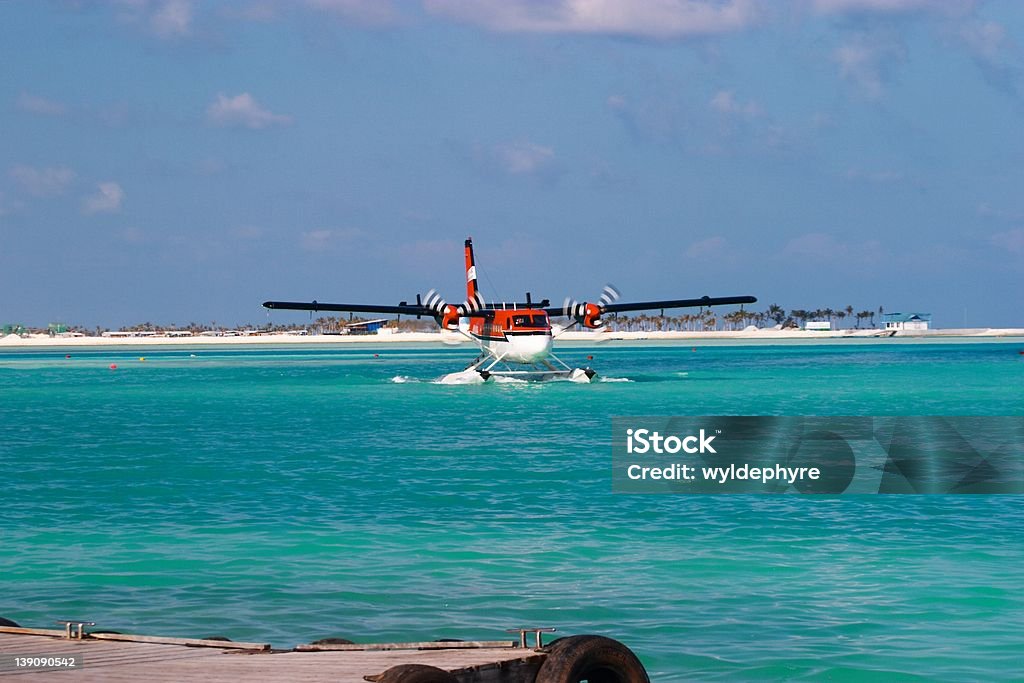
<point x="710" y="320"/>
<point x="849" y="311"/>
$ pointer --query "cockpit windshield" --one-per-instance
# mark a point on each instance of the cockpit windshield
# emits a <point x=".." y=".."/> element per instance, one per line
<point x="540" y="321"/>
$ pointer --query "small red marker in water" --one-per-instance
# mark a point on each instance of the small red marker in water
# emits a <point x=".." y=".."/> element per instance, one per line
<point x="67" y="355"/>
<point x="113" y="366"/>
<point x="693" y="349"/>
<point x="590" y="358"/>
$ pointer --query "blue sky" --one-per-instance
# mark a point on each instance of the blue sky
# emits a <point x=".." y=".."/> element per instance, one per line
<point x="175" y="161"/>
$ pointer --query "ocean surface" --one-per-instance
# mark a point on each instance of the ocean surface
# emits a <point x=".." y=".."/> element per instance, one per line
<point x="284" y="495"/>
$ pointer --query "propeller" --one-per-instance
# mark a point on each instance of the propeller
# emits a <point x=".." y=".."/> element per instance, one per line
<point x="434" y="301"/>
<point x="472" y="304"/>
<point x="589" y="314"/>
<point x="446" y="315"/>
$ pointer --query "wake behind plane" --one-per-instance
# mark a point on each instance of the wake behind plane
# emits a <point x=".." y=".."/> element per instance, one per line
<point x="515" y="339"/>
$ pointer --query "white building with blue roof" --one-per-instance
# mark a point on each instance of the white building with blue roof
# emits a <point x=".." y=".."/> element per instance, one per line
<point x="907" y="321"/>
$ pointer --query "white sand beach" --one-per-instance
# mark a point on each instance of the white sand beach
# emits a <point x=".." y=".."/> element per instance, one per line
<point x="746" y="336"/>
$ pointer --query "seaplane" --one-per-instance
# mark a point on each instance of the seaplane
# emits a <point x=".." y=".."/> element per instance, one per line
<point x="514" y="339"/>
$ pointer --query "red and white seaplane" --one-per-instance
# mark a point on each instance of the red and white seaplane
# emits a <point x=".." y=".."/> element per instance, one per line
<point x="514" y="338"/>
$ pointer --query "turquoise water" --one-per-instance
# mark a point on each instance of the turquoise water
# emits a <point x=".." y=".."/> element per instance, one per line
<point x="284" y="495"/>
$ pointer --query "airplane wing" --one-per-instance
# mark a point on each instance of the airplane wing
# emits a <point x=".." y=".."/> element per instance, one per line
<point x="678" y="303"/>
<point x="400" y="309"/>
<point x="589" y="314"/>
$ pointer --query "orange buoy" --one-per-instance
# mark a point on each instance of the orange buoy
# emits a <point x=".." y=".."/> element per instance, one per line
<point x="590" y="358"/>
<point x="113" y="366"/>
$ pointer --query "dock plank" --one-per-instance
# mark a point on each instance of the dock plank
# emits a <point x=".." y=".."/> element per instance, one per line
<point x="117" y="661"/>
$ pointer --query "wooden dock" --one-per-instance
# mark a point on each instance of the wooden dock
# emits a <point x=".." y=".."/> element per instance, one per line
<point x="43" y="655"/>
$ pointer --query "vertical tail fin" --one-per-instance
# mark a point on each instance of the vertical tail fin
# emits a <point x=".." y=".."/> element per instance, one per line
<point x="473" y="299"/>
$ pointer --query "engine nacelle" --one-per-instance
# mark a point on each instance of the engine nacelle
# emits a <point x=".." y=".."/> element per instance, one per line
<point x="449" y="317"/>
<point x="588" y="315"/>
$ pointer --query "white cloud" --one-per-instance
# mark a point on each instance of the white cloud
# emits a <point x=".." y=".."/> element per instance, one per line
<point x="865" y="61"/>
<point x="43" y="182"/>
<point x="166" y="19"/>
<point x="34" y="104"/>
<point x="988" y="211"/>
<point x="521" y="158"/>
<point x="873" y="6"/>
<point x="133" y="235"/>
<point x="243" y="110"/>
<point x="524" y="157"/>
<point x="107" y="199"/>
<point x="1011" y="240"/>
<point x="318" y="240"/>
<point x="665" y="118"/>
<point x="254" y="11"/>
<point x="648" y="18"/>
<point x="616" y="102"/>
<point x="315" y="240"/>
<point x="816" y="245"/>
<point x="819" y="247"/>
<point x="429" y="251"/>
<point x="248" y="232"/>
<point x="725" y="102"/>
<point x="993" y="52"/>
<point x="706" y="247"/>
<point x="368" y="12"/>
<point x="867" y="58"/>
<point x="985" y="39"/>
<point x="211" y="166"/>
<point x="172" y="19"/>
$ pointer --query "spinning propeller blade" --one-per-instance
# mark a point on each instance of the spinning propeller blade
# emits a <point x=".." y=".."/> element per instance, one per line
<point x="589" y="314"/>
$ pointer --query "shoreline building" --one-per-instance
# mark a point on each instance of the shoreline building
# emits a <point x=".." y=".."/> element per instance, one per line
<point x="907" y="321"/>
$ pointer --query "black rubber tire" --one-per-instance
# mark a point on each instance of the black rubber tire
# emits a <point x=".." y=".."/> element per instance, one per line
<point x="594" y="659"/>
<point x="8" y="622"/>
<point x="416" y="673"/>
<point x="556" y="644"/>
<point x="332" y="641"/>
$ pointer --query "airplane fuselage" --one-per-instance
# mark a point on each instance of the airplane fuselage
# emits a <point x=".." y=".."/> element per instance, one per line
<point x="520" y="335"/>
